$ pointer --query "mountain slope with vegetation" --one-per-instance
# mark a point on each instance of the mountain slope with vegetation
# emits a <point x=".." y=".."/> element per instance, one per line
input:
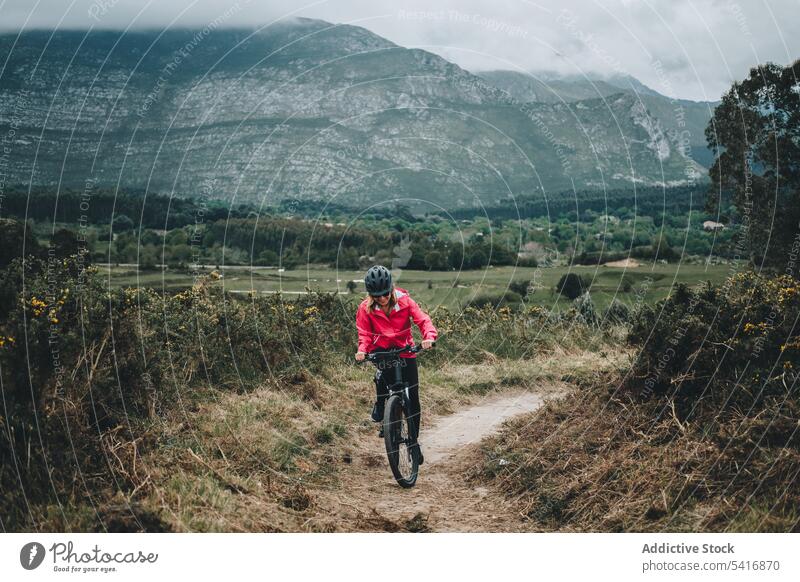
<point x="684" y="121"/>
<point x="305" y="110"/>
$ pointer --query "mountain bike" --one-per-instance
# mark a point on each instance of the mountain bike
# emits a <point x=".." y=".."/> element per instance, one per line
<point x="397" y="428"/>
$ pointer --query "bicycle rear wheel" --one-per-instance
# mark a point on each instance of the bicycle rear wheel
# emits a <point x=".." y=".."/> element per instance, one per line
<point x="399" y="445"/>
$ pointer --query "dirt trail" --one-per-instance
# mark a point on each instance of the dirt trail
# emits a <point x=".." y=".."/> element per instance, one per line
<point x="369" y="499"/>
<point x="451" y="433"/>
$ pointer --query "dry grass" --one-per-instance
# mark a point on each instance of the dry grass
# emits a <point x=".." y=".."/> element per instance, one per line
<point x="250" y="462"/>
<point x="597" y="461"/>
<point x="258" y="461"/>
<point x="204" y="411"/>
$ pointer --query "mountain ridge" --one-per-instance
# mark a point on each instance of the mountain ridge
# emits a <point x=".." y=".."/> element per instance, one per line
<point x="677" y="115"/>
<point x="304" y="110"/>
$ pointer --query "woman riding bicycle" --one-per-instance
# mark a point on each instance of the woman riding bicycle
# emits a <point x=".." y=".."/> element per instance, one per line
<point x="384" y="322"/>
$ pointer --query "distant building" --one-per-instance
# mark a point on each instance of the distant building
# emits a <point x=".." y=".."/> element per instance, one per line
<point x="606" y="218"/>
<point x="711" y="225"/>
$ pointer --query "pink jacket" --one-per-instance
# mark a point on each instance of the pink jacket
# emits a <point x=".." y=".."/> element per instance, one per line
<point x="377" y="331"/>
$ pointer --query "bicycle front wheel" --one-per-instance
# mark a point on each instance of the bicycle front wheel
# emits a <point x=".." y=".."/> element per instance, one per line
<point x="399" y="444"/>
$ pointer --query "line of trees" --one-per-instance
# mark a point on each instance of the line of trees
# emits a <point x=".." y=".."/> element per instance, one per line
<point x="628" y="202"/>
<point x="292" y="242"/>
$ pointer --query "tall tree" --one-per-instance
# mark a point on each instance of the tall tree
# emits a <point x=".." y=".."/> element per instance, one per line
<point x="755" y="136"/>
<point x="15" y="235"/>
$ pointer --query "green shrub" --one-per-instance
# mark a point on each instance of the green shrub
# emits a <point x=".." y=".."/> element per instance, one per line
<point x="627" y="284"/>
<point x="14" y="236"/>
<point x="586" y="309"/>
<point x="495" y="299"/>
<point x="572" y="285"/>
<point x="733" y="343"/>
<point x="617" y="313"/>
<point x="522" y="288"/>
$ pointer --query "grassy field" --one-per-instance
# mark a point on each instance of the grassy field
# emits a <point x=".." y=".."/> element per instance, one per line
<point x="442" y="288"/>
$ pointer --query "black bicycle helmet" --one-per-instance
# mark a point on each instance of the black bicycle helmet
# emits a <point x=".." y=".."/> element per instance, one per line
<point x="378" y="280"/>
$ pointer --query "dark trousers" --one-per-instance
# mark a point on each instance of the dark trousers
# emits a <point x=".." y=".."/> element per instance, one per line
<point x="385" y="377"/>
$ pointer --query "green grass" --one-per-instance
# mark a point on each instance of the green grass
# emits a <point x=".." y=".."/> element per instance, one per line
<point x="448" y="288"/>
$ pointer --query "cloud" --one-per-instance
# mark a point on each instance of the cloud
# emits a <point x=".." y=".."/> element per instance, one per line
<point x="694" y="47"/>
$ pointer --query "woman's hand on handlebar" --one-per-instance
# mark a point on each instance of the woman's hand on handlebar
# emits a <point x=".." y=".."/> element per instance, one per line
<point x="427" y="344"/>
<point x="360" y="356"/>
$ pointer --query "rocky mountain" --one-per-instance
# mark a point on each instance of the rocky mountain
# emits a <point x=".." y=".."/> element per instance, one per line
<point x="549" y="87"/>
<point x="305" y="110"/>
<point x="684" y="120"/>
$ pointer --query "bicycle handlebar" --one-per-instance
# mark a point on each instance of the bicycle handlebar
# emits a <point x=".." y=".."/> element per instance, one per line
<point x="376" y="355"/>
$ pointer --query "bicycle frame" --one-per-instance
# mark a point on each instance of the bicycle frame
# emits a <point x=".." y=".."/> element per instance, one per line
<point x="391" y="359"/>
<point x="398" y="386"/>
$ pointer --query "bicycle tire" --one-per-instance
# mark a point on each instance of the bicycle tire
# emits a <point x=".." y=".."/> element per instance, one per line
<point x="403" y="459"/>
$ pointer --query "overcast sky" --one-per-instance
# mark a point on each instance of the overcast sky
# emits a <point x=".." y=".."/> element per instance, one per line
<point x="683" y="48"/>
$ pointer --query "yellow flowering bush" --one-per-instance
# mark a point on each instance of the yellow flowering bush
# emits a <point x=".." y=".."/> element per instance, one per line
<point x="97" y="359"/>
<point x="714" y="341"/>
